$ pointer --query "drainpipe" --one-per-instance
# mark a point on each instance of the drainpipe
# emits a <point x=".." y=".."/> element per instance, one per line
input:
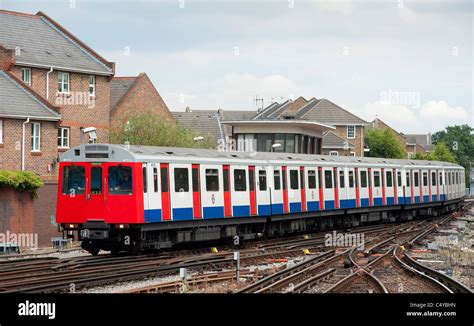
<point x="47" y="82"/>
<point x="23" y="144"/>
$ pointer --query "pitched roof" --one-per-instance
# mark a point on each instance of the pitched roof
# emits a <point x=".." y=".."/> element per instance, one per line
<point x="40" y="41"/>
<point x="331" y="140"/>
<point x="119" y="86"/>
<point x="202" y="121"/>
<point x="327" y="112"/>
<point x="232" y="115"/>
<point x="17" y="101"/>
<point x="424" y="140"/>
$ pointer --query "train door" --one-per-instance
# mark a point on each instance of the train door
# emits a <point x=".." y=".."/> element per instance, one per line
<point x="321" y="188"/>
<point x="377" y="186"/>
<point x="95" y="196"/>
<point x="342" y="187"/>
<point x="277" y="192"/>
<point x="165" y="192"/>
<point x="442" y="183"/>
<point x="312" y="197"/>
<point x="72" y="192"/>
<point x="438" y="179"/>
<point x="227" y="193"/>
<point x="152" y="197"/>
<point x="196" y="188"/>
<point x="240" y="191"/>
<point x="263" y="196"/>
<point x="284" y="180"/>
<point x="294" y="192"/>
<point x="303" y="189"/>
<point x="350" y="188"/>
<point x="425" y="186"/>
<point x="328" y="188"/>
<point x="416" y="186"/>
<point x="364" y="187"/>
<point x="181" y="192"/>
<point x="336" y="182"/>
<point x="388" y="194"/>
<point x="398" y="182"/>
<point x="213" y="190"/>
<point x="252" y="191"/>
<point x="145" y="190"/>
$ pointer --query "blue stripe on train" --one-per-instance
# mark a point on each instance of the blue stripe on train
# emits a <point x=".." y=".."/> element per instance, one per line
<point x="329" y="204"/>
<point x="153" y="215"/>
<point x="426" y="198"/>
<point x="313" y="206"/>
<point x="182" y="214"/>
<point x="364" y="202"/>
<point x="213" y="212"/>
<point x="390" y="201"/>
<point x="377" y="201"/>
<point x="295" y="207"/>
<point x="241" y="211"/>
<point x="263" y="210"/>
<point x="347" y="203"/>
<point x="277" y="208"/>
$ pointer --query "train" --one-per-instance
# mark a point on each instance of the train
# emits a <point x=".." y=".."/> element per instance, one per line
<point x="137" y="198"/>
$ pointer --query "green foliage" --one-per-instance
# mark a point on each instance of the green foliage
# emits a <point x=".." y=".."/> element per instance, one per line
<point x="21" y="181"/>
<point x="383" y="143"/>
<point x="152" y="130"/>
<point x="441" y="153"/>
<point x="464" y="136"/>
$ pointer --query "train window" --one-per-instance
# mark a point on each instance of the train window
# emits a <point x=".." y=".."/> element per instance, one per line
<point x="155" y="179"/>
<point x="120" y="180"/>
<point x="341" y="179"/>
<point x="276" y="179"/>
<point x="433" y="178"/>
<point x="262" y="180"/>
<point x="294" y="179"/>
<point x="363" y="179"/>
<point x="425" y="179"/>
<point x="328" y="179"/>
<point x="457" y="178"/>
<point x="320" y="179"/>
<point x="73" y="180"/>
<point x="226" y="179"/>
<point x="311" y="179"/>
<point x="388" y="175"/>
<point x="416" y="180"/>
<point x="251" y="180"/>
<point x="181" y="180"/>
<point x="96" y="180"/>
<point x="195" y="177"/>
<point x="284" y="180"/>
<point x="212" y="180"/>
<point x="145" y="186"/>
<point x="240" y="183"/>
<point x="399" y="178"/>
<point x="441" y="178"/>
<point x="408" y="179"/>
<point x="376" y="179"/>
<point x="164" y="179"/>
<point x="302" y="179"/>
<point x="351" y="179"/>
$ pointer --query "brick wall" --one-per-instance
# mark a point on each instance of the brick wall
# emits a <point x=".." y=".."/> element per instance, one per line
<point x="358" y="141"/>
<point x="7" y="57"/>
<point x="16" y="211"/>
<point x="44" y="208"/>
<point x="141" y="97"/>
<point x="341" y="152"/>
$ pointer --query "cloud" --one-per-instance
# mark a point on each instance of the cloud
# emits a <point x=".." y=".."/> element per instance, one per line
<point x="441" y="111"/>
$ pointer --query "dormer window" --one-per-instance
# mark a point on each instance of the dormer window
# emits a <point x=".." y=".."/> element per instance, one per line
<point x="26" y="76"/>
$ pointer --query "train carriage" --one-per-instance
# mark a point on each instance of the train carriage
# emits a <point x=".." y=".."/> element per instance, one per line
<point x="141" y="197"/>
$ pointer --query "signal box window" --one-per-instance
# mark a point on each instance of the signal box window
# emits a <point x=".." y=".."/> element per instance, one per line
<point x="212" y="180"/>
<point x="181" y="180"/>
<point x="240" y="183"/>
<point x="120" y="180"/>
<point x="73" y="180"/>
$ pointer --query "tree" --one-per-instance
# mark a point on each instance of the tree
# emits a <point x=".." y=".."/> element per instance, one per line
<point x="442" y="153"/>
<point x="153" y="130"/>
<point x="460" y="141"/>
<point x="383" y="143"/>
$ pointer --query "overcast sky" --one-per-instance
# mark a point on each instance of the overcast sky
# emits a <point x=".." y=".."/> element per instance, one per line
<point x="408" y="62"/>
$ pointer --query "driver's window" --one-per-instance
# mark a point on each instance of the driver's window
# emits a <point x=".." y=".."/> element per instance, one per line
<point x="120" y="180"/>
<point x="181" y="179"/>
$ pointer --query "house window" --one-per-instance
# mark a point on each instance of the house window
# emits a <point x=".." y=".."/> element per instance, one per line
<point x="63" y="82"/>
<point x="35" y="137"/>
<point x="92" y="85"/>
<point x="351" y="132"/>
<point x="1" y="131"/>
<point x="334" y="153"/>
<point x="26" y="76"/>
<point x="63" y="137"/>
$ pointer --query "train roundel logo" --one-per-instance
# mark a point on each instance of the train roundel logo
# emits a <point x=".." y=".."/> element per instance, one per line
<point x="213" y="199"/>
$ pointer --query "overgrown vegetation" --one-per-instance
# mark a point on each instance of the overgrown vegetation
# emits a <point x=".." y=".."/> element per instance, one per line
<point x="21" y="181"/>
<point x="383" y="143"/>
<point x="151" y="129"/>
<point x="441" y="152"/>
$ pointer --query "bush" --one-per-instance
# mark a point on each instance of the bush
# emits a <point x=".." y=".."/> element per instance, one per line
<point x="21" y="181"/>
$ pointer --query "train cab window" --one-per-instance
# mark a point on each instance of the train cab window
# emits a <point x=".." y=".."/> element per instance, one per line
<point x="73" y="180"/>
<point x="212" y="180"/>
<point x="96" y="180"/>
<point x="181" y="180"/>
<point x="363" y="179"/>
<point x="341" y="179"/>
<point x="388" y="177"/>
<point x="294" y="179"/>
<point x="120" y="180"/>
<point x="376" y="179"/>
<point x="164" y="179"/>
<point x="425" y="179"/>
<point x="408" y="178"/>
<point x="276" y="179"/>
<point x="145" y="183"/>
<point x="417" y="179"/>
<point x="433" y="178"/>
<point x="440" y="178"/>
<point x="399" y="178"/>
<point x="155" y="179"/>
<point x="262" y="180"/>
<point x="240" y="182"/>
<point x="328" y="179"/>
<point x="251" y="180"/>
<point x="311" y="179"/>
<point x="351" y="179"/>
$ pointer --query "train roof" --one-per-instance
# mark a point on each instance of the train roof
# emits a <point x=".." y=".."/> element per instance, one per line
<point x="138" y="153"/>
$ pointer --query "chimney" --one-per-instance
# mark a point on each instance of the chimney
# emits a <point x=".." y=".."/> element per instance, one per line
<point x="188" y="109"/>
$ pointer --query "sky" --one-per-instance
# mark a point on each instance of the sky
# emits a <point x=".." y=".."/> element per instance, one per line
<point x="409" y="63"/>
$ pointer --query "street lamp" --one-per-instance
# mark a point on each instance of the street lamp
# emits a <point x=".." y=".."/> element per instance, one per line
<point x="275" y="146"/>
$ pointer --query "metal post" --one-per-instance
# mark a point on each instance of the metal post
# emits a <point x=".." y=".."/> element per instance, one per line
<point x="237" y="258"/>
